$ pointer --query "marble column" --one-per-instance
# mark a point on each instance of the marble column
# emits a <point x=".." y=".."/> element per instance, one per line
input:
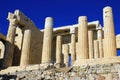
<point x="58" y="51"/>
<point x="96" y="49"/>
<point x="73" y="45"/>
<point x="9" y="45"/>
<point x="82" y="38"/>
<point x="100" y="40"/>
<point x="91" y="44"/>
<point x="66" y="54"/>
<point x="25" y="54"/>
<point x="47" y="41"/>
<point x="109" y="34"/>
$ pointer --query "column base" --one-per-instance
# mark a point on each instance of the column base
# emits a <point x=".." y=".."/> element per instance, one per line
<point x="80" y="62"/>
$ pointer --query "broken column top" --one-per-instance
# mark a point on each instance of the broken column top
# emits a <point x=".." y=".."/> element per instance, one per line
<point x="12" y="19"/>
<point x="107" y="8"/>
<point x="82" y="18"/>
<point x="49" y="22"/>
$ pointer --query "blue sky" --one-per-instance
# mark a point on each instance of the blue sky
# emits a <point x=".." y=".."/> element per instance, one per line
<point x="64" y="12"/>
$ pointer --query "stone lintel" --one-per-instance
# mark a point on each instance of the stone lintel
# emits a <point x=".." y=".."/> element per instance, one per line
<point x="22" y="19"/>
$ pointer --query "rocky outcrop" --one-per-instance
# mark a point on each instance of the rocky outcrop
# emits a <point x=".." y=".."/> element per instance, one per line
<point x="109" y="71"/>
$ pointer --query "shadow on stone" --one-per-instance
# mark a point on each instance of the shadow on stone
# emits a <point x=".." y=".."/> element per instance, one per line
<point x="7" y="77"/>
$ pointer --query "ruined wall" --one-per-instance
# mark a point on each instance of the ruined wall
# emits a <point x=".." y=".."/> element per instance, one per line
<point x="25" y="23"/>
<point x="96" y="72"/>
<point x="18" y="46"/>
<point x="36" y="45"/>
<point x="109" y="71"/>
<point x="2" y="48"/>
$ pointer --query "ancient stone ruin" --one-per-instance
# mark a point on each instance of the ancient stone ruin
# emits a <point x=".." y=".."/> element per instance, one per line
<point x="83" y="51"/>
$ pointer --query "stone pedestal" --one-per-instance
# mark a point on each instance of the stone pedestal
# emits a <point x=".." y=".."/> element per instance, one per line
<point x="91" y="44"/>
<point x="25" y="54"/>
<point x="73" y="45"/>
<point x="96" y="49"/>
<point x="9" y="45"/>
<point x="100" y="40"/>
<point x="47" y="41"/>
<point x="66" y="54"/>
<point x="109" y="34"/>
<point x="58" y="51"/>
<point x="82" y="38"/>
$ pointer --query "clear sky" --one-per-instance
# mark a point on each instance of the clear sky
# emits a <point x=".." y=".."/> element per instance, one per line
<point x="64" y="12"/>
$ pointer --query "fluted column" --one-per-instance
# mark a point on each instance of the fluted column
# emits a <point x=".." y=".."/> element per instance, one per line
<point x="58" y="51"/>
<point x="109" y="34"/>
<point x="96" y="49"/>
<point x="91" y="44"/>
<point x="82" y="38"/>
<point x="100" y="40"/>
<point x="47" y="41"/>
<point x="66" y="54"/>
<point x="73" y="45"/>
<point x="9" y="45"/>
<point x="25" y="54"/>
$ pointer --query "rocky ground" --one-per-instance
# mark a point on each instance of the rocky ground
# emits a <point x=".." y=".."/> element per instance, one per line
<point x="85" y="72"/>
